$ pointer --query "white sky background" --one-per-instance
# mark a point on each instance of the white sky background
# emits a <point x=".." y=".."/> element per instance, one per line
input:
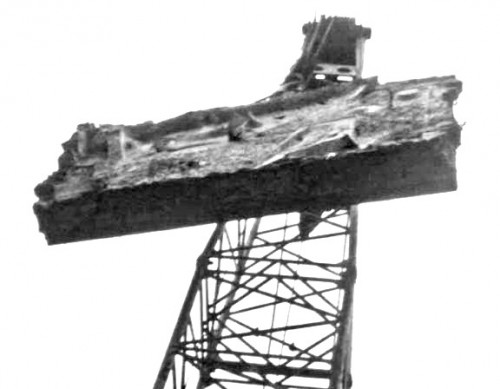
<point x="99" y="314"/>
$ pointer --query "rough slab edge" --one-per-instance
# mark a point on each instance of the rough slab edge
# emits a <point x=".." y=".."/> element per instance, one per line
<point x="394" y="171"/>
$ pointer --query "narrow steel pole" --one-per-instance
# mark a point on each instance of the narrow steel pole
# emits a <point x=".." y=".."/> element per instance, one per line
<point x="353" y="242"/>
<point x="341" y="366"/>
<point x="201" y="265"/>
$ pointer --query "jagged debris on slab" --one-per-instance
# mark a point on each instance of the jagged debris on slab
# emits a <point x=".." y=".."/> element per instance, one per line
<point x="334" y="146"/>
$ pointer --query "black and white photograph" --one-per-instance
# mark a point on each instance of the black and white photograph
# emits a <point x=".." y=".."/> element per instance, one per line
<point x="249" y="194"/>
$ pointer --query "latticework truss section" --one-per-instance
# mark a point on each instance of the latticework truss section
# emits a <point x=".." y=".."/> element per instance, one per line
<point x="270" y="306"/>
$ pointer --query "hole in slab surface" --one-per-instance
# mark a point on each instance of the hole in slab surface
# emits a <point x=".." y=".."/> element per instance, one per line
<point x="344" y="70"/>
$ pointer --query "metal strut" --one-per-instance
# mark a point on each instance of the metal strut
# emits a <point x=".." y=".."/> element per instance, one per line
<point x="270" y="305"/>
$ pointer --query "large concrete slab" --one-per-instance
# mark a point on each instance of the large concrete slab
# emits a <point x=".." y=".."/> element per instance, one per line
<point x="334" y="146"/>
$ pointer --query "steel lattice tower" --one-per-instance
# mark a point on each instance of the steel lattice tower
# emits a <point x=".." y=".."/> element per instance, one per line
<point x="270" y="305"/>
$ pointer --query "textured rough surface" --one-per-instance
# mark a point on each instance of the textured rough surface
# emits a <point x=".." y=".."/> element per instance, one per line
<point x="334" y="146"/>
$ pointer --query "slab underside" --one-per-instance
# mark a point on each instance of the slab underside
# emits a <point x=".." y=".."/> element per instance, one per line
<point x="334" y="147"/>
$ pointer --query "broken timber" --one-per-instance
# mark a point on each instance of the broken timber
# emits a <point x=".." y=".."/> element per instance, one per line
<point x="330" y="147"/>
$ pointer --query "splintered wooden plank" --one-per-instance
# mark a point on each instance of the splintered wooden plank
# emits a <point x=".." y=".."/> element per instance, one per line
<point x="335" y="146"/>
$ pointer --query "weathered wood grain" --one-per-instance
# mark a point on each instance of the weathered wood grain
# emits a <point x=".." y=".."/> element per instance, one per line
<point x="334" y="146"/>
